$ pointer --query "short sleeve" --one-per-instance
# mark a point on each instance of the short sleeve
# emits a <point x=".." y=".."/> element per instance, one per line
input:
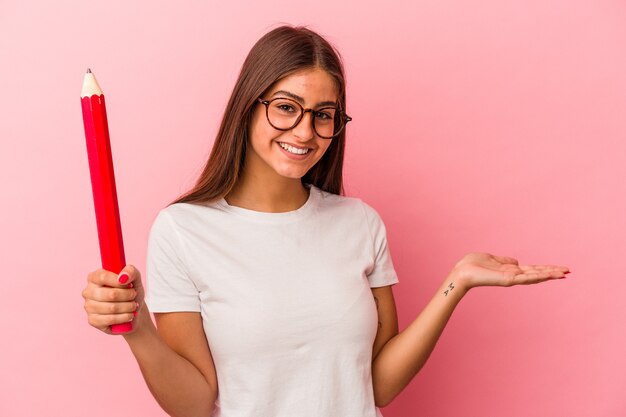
<point x="169" y="287"/>
<point x="383" y="272"/>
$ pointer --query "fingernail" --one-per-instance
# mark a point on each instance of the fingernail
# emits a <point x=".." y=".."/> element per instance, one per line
<point x="123" y="278"/>
<point x="135" y="313"/>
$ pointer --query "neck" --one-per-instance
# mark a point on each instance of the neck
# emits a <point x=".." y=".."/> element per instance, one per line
<point x="276" y="196"/>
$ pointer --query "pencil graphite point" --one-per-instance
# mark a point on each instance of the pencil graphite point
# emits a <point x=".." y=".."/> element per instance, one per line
<point x="90" y="85"/>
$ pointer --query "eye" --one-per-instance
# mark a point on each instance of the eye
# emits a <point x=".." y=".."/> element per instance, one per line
<point x="284" y="106"/>
<point x="287" y="108"/>
<point x="327" y="114"/>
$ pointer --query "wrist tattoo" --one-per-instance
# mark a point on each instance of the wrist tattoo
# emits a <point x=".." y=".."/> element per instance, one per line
<point x="450" y="288"/>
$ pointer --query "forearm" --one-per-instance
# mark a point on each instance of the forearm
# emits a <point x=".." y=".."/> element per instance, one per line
<point x="176" y="384"/>
<point x="404" y="355"/>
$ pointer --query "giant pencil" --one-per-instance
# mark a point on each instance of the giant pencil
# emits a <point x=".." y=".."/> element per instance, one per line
<point x="103" y="181"/>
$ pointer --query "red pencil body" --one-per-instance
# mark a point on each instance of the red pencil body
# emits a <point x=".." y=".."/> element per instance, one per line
<point x="103" y="182"/>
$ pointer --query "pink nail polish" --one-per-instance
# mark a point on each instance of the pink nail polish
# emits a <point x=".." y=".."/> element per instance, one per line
<point x="123" y="278"/>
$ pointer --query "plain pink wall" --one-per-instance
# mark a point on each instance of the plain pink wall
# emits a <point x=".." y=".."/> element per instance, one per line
<point x="493" y="126"/>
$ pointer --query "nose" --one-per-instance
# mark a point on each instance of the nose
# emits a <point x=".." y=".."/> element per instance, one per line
<point x="304" y="129"/>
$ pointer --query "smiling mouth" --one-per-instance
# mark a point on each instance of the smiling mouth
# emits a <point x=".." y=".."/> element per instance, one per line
<point x="293" y="150"/>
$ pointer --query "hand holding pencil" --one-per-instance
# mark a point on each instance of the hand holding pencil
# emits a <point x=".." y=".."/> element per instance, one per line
<point x="115" y="300"/>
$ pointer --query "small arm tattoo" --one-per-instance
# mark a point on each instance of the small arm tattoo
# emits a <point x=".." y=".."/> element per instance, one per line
<point x="450" y="288"/>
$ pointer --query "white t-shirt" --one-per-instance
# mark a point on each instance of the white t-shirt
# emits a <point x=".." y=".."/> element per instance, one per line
<point x="285" y="300"/>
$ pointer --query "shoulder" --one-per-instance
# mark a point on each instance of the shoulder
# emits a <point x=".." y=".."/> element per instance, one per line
<point x="351" y="204"/>
<point x="185" y="215"/>
<point x="181" y="209"/>
<point x="351" y="211"/>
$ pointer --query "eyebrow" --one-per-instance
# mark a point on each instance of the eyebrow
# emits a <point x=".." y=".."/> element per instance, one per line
<point x="301" y="100"/>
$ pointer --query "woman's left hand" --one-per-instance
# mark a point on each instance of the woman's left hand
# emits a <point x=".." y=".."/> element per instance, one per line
<point x="484" y="269"/>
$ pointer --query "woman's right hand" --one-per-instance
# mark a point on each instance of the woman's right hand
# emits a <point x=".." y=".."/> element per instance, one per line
<point x="112" y="298"/>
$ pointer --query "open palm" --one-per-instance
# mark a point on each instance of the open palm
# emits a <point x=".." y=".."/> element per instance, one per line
<point x="484" y="269"/>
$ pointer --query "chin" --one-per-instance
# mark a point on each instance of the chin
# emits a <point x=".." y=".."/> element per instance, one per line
<point x="292" y="175"/>
<point x="291" y="171"/>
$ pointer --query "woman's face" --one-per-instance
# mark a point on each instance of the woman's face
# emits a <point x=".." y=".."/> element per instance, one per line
<point x="312" y="88"/>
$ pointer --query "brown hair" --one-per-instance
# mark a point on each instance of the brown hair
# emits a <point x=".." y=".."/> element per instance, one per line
<point x="278" y="54"/>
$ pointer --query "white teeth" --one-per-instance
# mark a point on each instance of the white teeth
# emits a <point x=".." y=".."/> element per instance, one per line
<point x="292" y="149"/>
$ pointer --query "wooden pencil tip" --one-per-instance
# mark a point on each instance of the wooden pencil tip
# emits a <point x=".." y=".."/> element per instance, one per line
<point x="88" y="71"/>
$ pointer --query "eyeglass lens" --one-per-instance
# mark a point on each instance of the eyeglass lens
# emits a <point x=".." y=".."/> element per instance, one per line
<point x="284" y="114"/>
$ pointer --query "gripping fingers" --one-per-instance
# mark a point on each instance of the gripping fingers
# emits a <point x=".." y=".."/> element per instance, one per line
<point x="105" y="278"/>
<point x="103" y="321"/>
<point x="114" y="294"/>
<point x="100" y="307"/>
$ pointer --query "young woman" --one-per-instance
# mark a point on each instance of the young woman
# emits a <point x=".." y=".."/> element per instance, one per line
<point x="270" y="289"/>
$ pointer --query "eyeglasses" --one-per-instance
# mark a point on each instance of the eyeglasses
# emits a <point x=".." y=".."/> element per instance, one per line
<point x="285" y="114"/>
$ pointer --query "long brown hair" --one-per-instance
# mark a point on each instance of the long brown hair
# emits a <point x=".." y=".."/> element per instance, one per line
<point x="276" y="55"/>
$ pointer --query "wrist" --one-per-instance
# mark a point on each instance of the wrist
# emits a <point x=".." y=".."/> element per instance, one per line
<point x="142" y="326"/>
<point x="458" y="276"/>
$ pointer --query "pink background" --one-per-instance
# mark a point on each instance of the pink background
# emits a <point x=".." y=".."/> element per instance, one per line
<point x="493" y="126"/>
